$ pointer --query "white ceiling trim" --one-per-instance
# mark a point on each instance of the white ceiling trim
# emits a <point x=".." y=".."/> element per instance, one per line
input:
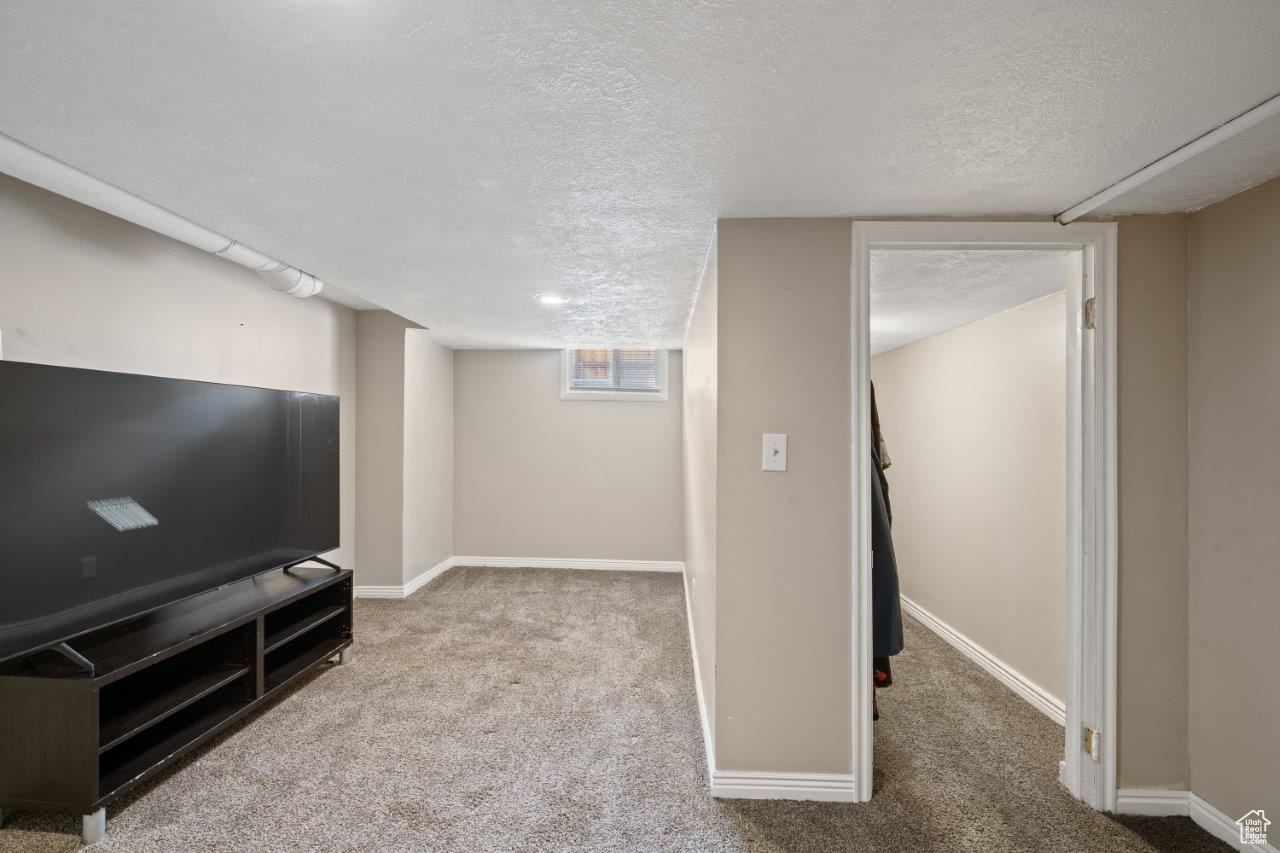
<point x="1259" y="115"/>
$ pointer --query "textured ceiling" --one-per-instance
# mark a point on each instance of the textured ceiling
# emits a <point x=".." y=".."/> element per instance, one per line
<point x="919" y="293"/>
<point x="1229" y="167"/>
<point x="344" y="297"/>
<point x="451" y="159"/>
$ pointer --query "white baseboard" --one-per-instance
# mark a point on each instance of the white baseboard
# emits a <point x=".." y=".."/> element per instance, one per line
<point x="429" y="575"/>
<point x="568" y="563"/>
<point x="1052" y="707"/>
<point x="755" y="785"/>
<point x="379" y="591"/>
<point x="1222" y="826"/>
<point x="743" y="785"/>
<point x="1157" y="802"/>
<point x="697" y="682"/>
<point x="1167" y="803"/>
<point x="409" y="588"/>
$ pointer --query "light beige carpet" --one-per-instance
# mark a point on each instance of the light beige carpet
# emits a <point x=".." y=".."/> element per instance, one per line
<point x="533" y="709"/>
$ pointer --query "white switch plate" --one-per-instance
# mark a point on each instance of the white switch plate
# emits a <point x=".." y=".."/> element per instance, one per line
<point x="775" y="452"/>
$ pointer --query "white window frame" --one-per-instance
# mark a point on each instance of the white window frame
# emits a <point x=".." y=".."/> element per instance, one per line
<point x="568" y="393"/>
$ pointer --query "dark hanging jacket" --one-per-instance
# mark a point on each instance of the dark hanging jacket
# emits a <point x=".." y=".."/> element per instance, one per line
<point x="886" y="609"/>
<point x="877" y="438"/>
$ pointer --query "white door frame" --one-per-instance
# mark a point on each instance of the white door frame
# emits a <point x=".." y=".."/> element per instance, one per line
<point x="1092" y="525"/>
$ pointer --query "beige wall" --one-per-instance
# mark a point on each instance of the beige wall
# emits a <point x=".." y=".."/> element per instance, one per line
<point x="784" y="548"/>
<point x="428" y="453"/>
<point x="1198" y="423"/>
<point x="1152" y="455"/>
<point x="1153" y="460"/>
<point x="1232" y="253"/>
<point x="1234" y="358"/>
<point x="975" y="420"/>
<point x="405" y="450"/>
<point x="537" y="476"/>
<point x="380" y="447"/>
<point x="82" y="289"/>
<point x="700" y="433"/>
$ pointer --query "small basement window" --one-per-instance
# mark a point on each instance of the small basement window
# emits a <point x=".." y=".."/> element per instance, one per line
<point x="614" y="374"/>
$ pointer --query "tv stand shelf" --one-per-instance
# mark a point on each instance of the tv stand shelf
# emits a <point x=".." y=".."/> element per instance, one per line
<point x="162" y="683"/>
<point x="158" y="706"/>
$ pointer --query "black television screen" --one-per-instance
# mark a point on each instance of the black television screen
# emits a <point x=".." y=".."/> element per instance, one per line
<point x="120" y="493"/>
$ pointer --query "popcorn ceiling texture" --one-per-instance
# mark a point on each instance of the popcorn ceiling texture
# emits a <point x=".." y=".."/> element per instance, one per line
<point x="535" y="709"/>
<point x="1230" y="167"/>
<point x="449" y="160"/>
<point x="919" y="293"/>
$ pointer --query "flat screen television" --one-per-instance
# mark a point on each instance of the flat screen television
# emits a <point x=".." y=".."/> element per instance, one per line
<point x="121" y="493"/>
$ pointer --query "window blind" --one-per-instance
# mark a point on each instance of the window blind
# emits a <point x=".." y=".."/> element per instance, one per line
<point x="614" y="369"/>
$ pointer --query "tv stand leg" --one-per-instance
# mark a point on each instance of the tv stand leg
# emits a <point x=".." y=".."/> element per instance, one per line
<point x="4" y="816"/>
<point x="94" y="827"/>
<point x="344" y="656"/>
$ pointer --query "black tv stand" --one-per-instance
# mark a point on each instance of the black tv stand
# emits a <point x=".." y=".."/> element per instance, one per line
<point x="74" y="739"/>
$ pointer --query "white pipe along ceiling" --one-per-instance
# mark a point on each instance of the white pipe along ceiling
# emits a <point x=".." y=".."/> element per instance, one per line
<point x="27" y="164"/>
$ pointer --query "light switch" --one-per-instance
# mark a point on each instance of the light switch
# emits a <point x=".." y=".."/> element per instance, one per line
<point x="775" y="452"/>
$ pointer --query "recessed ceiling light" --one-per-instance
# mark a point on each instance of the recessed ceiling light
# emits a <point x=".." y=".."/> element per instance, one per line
<point x="550" y="299"/>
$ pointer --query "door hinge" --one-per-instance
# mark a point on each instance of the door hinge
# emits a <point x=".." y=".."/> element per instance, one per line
<point x="1092" y="743"/>
<point x="1091" y="313"/>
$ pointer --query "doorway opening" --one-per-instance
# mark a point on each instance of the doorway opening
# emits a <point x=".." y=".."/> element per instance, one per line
<point x="1067" y="275"/>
